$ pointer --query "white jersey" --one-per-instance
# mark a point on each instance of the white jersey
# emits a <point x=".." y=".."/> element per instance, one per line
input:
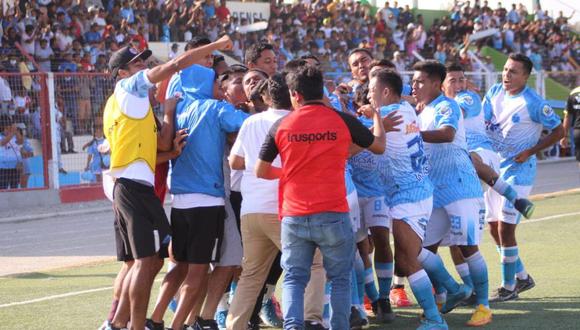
<point x="474" y="121"/>
<point x="514" y="123"/>
<point x="452" y="172"/>
<point x="407" y="169"/>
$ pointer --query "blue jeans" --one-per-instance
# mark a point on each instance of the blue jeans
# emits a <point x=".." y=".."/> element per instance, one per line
<point x="332" y="233"/>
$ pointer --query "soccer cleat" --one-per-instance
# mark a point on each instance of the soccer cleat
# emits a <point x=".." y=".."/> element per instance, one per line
<point x="270" y="313"/>
<point x="502" y="294"/>
<point x="201" y="324"/>
<point x="480" y="317"/>
<point x="471" y="301"/>
<point x="104" y="325"/>
<point x="111" y="327"/>
<point x="525" y="207"/>
<point x="150" y="325"/>
<point x="525" y="285"/>
<point x="454" y="299"/>
<point x="356" y="320"/>
<point x="398" y="297"/>
<point x="313" y="325"/>
<point x="368" y="305"/>
<point x="220" y="318"/>
<point x="433" y="325"/>
<point x="383" y="311"/>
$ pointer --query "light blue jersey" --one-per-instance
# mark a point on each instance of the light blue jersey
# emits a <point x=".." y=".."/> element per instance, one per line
<point x="407" y="168"/>
<point x="350" y="187"/>
<point x="368" y="169"/>
<point x="452" y="173"/>
<point x="474" y="121"/>
<point x="514" y="124"/>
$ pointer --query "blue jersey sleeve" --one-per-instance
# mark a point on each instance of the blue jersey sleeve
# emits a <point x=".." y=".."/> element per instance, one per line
<point x="230" y="119"/>
<point x="137" y="85"/>
<point x="174" y="87"/>
<point x="447" y="114"/>
<point x="470" y="103"/>
<point x="543" y="113"/>
<point x="486" y="103"/>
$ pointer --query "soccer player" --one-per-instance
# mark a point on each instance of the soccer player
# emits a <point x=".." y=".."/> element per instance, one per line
<point x="313" y="143"/>
<point x="483" y="157"/>
<point x="131" y="131"/>
<point x="409" y="192"/>
<point x="515" y="116"/>
<point x="458" y="208"/>
<point x="572" y="117"/>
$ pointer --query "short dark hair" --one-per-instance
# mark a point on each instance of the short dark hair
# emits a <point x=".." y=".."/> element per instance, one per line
<point x="197" y="41"/>
<point x="361" y="95"/>
<point x="231" y="72"/>
<point x="454" y="67"/>
<point x="254" y="52"/>
<point x="307" y="81"/>
<point x="277" y="89"/>
<point x="310" y="57"/>
<point x="292" y="65"/>
<point x="383" y="63"/>
<point x="432" y="68"/>
<point x="359" y="50"/>
<point x="390" y="79"/>
<point x="526" y="62"/>
<point x="258" y="71"/>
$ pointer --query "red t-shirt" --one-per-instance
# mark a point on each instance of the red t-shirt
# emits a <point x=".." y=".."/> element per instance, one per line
<point x="313" y="144"/>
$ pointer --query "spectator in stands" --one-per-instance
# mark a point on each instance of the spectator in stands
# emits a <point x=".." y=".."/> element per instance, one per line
<point x="43" y="54"/>
<point x="9" y="150"/>
<point x="5" y="95"/>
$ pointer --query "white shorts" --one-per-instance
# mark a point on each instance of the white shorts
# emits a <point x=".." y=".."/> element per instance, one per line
<point x="416" y="215"/>
<point x="231" y="249"/>
<point x="458" y="223"/>
<point x="374" y="212"/>
<point x="499" y="208"/>
<point x="489" y="158"/>
<point x="354" y="210"/>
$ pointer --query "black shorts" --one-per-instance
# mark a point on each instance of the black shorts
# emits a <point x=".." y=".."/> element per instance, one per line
<point x="198" y="234"/>
<point x="577" y="143"/>
<point x="143" y="228"/>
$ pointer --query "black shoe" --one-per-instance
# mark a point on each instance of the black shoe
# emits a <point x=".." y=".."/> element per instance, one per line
<point x="525" y="207"/>
<point x="356" y="321"/>
<point x="470" y="302"/>
<point x="150" y="325"/>
<point x="502" y="294"/>
<point x="201" y="324"/>
<point x="253" y="326"/>
<point x="525" y="285"/>
<point x="383" y="311"/>
<point x="313" y="325"/>
<point x="71" y="151"/>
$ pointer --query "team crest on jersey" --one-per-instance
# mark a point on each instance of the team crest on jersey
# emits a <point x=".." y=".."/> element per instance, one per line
<point x="445" y="111"/>
<point x="516" y="118"/>
<point x="412" y="128"/>
<point x="468" y="100"/>
<point x="547" y="110"/>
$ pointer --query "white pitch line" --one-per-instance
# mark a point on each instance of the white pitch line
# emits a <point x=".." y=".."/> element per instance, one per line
<point x="64" y="295"/>
<point x="76" y="293"/>
<point x="563" y="215"/>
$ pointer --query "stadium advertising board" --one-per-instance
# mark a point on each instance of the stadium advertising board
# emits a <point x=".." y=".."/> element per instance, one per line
<point x="253" y="11"/>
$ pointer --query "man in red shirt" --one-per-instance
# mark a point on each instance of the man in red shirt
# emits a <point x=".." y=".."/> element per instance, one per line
<point x="313" y="143"/>
<point x="222" y="12"/>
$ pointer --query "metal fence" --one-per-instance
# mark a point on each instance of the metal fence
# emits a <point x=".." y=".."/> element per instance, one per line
<point x="56" y="119"/>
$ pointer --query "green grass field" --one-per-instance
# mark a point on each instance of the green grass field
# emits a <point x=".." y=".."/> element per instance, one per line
<point x="549" y="248"/>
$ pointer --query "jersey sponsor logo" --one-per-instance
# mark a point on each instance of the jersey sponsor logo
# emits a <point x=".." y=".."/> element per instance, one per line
<point x="547" y="110"/>
<point x="412" y="128"/>
<point x="313" y="137"/>
<point x="365" y="161"/>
